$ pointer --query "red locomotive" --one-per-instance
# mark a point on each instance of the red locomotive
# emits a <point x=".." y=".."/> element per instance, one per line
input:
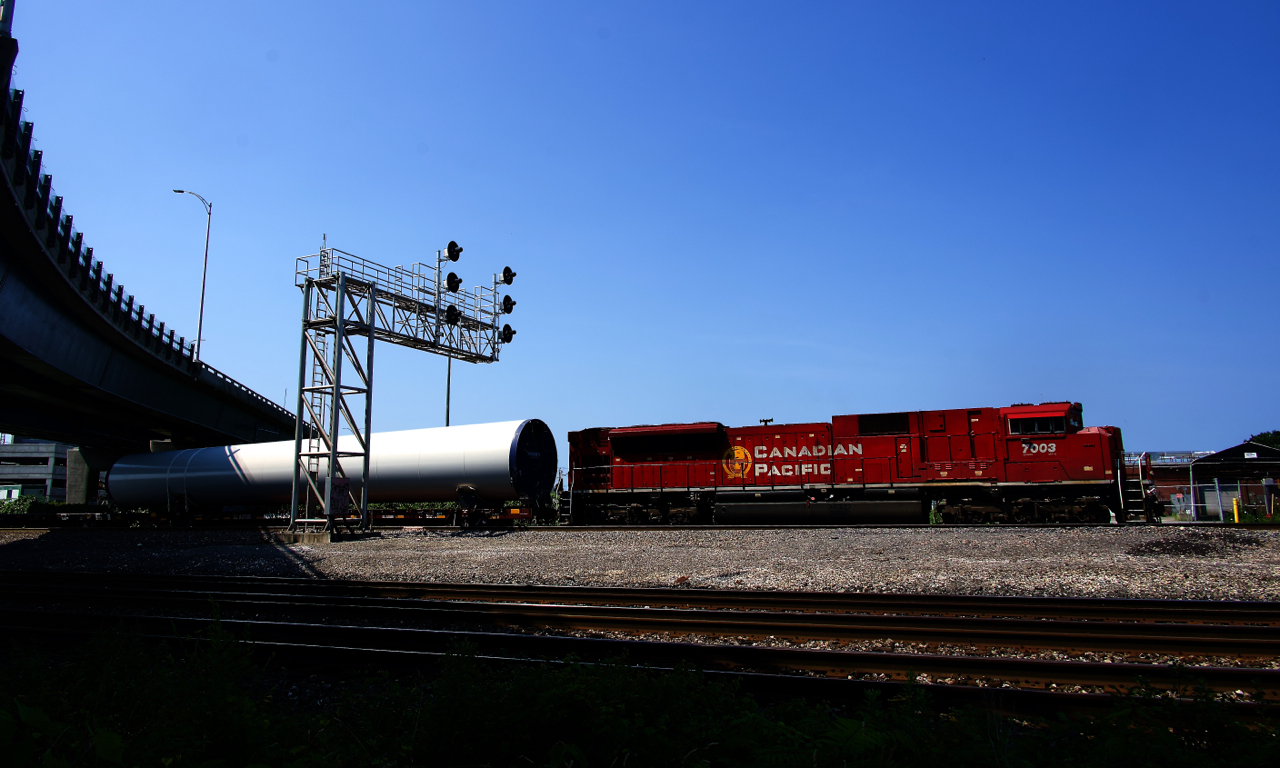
<point x="1023" y="463"/>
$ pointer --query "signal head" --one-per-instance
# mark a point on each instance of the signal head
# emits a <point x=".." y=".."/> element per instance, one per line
<point x="508" y="304"/>
<point x="452" y="315"/>
<point x="508" y="333"/>
<point x="453" y="282"/>
<point x="453" y="251"/>
<point x="508" y="275"/>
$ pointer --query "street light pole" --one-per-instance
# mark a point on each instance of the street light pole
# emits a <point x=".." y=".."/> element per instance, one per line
<point x="208" y="208"/>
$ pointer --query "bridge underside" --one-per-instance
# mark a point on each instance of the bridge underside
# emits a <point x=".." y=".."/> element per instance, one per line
<point x="62" y="379"/>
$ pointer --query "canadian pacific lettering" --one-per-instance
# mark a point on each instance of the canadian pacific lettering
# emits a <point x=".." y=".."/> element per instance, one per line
<point x="792" y="470"/>
<point x="841" y="449"/>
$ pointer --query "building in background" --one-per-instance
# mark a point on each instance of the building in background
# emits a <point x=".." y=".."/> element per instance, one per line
<point x="30" y="467"/>
<point x="1241" y="478"/>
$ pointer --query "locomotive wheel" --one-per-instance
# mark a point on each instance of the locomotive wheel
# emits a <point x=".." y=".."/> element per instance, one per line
<point x="1094" y="512"/>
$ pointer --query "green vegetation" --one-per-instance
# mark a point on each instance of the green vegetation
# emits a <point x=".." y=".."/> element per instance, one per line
<point x="21" y="505"/>
<point x="1256" y="515"/>
<point x="1271" y="438"/>
<point x="38" y="505"/>
<point x="433" y="506"/>
<point x="122" y="701"/>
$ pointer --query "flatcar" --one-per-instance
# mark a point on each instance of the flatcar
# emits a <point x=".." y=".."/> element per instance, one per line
<point x="1019" y="464"/>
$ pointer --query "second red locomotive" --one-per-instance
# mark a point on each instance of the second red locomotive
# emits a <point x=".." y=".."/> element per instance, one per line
<point x="1023" y="463"/>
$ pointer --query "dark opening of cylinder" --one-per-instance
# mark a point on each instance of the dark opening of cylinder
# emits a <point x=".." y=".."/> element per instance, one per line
<point x="533" y="460"/>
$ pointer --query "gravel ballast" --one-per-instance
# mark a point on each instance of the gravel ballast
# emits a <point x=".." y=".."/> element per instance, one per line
<point x="1137" y="561"/>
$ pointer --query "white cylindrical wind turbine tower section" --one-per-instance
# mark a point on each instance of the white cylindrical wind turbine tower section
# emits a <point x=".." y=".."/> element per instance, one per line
<point x="496" y="462"/>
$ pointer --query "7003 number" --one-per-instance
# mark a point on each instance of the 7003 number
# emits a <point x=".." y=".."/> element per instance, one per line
<point x="1028" y="448"/>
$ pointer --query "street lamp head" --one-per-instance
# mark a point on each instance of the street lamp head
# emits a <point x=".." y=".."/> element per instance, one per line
<point x="179" y="191"/>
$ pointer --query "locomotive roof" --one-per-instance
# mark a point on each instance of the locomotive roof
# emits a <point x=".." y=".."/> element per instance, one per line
<point x="1043" y="409"/>
<point x="698" y="428"/>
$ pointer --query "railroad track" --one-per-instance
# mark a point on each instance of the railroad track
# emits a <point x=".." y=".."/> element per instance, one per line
<point x="992" y="606"/>
<point x="368" y="620"/>
<point x="428" y="526"/>
<point x="258" y="525"/>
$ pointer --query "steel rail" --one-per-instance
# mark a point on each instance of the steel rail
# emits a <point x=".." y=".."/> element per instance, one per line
<point x="1023" y="673"/>
<point x="1004" y="700"/>
<point x="1024" y="607"/>
<point x="933" y="526"/>
<point x="1175" y="639"/>
<point x="427" y="526"/>
<point x="804" y="526"/>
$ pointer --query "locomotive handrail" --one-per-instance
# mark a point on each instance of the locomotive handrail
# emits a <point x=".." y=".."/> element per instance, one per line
<point x="1165" y="458"/>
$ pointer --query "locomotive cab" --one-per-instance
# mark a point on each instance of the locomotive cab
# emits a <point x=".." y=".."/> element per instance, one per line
<point x="1045" y="419"/>
<point x="1057" y="469"/>
<point x="1040" y="441"/>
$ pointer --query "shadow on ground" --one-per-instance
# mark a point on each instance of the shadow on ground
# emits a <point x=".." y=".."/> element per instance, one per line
<point x="223" y="553"/>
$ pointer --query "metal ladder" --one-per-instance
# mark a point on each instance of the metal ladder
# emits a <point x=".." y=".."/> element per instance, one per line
<point x="1134" y="490"/>
<point x="320" y="404"/>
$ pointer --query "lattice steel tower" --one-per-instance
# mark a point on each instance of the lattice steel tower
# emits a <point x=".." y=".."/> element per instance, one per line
<point x="345" y="298"/>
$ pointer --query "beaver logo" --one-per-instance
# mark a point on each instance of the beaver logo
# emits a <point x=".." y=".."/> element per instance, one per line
<point x="737" y="462"/>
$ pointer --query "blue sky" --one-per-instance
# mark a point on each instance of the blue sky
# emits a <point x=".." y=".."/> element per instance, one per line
<point x="718" y="211"/>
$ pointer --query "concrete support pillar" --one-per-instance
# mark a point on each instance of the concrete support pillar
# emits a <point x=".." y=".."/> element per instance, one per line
<point x="84" y="471"/>
<point x="82" y="484"/>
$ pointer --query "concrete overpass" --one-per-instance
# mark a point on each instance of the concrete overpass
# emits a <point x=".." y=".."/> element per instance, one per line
<point x="81" y="361"/>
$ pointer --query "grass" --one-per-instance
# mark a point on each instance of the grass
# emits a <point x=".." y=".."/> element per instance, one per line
<point x="123" y="701"/>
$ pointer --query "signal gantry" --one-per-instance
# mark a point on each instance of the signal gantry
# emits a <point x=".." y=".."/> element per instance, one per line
<point x="346" y="296"/>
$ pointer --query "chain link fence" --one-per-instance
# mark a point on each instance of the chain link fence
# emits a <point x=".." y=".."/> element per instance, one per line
<point x="1224" y="501"/>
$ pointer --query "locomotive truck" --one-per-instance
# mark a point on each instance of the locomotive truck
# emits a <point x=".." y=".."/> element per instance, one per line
<point x="1019" y="464"/>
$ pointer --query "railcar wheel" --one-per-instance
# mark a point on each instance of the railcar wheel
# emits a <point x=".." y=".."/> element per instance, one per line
<point x="1024" y="512"/>
<point x="1096" y="513"/>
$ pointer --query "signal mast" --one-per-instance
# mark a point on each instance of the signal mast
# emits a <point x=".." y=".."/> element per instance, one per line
<point x="347" y="297"/>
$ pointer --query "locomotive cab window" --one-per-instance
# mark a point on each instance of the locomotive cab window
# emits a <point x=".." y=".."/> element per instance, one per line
<point x="1045" y="425"/>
